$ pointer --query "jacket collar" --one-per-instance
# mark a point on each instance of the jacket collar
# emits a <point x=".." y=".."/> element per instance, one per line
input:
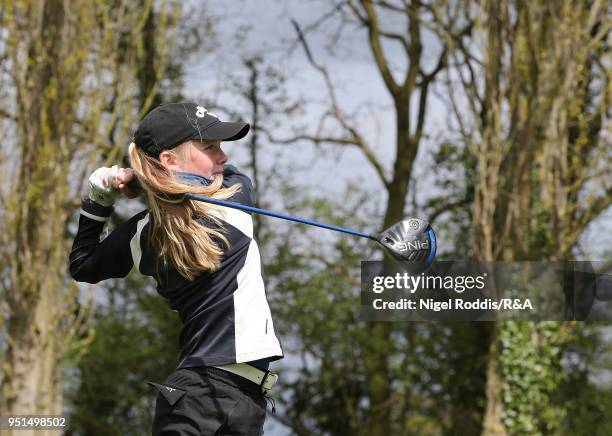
<point x="193" y="179"/>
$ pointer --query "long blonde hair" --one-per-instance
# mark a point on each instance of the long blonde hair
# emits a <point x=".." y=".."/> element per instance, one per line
<point x="174" y="232"/>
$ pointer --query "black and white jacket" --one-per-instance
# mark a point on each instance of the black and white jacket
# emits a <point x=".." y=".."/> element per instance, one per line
<point x="225" y="314"/>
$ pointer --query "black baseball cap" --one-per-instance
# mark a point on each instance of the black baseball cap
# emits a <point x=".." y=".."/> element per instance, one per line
<point x="171" y="124"/>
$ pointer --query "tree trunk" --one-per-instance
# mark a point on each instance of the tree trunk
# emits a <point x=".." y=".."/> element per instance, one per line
<point x="492" y="422"/>
<point x="35" y="339"/>
<point x="32" y="382"/>
<point x="378" y="383"/>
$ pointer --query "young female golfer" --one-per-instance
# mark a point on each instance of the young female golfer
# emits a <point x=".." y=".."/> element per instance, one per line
<point x="204" y="260"/>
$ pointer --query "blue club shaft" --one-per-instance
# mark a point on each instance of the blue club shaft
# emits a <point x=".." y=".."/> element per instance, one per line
<point x="276" y="215"/>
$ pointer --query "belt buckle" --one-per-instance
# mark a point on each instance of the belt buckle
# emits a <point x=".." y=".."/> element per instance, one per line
<point x="263" y="381"/>
<point x="265" y="378"/>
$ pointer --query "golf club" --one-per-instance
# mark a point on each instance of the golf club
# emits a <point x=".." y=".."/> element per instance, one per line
<point x="411" y="239"/>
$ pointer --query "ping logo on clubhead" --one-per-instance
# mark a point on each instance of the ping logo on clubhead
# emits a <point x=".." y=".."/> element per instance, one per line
<point x="414" y="245"/>
<point x="413" y="224"/>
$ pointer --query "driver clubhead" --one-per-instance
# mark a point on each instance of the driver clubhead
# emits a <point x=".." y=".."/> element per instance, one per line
<point x="410" y="240"/>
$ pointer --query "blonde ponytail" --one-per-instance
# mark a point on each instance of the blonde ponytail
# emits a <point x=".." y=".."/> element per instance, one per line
<point x="174" y="233"/>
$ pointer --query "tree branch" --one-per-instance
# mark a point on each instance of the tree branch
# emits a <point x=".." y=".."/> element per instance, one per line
<point x="397" y="37"/>
<point x="425" y="82"/>
<point x="313" y="138"/>
<point x="334" y="140"/>
<point x="595" y="208"/>
<point x="447" y="208"/>
<point x="377" y="51"/>
<point x="7" y="115"/>
<point x="317" y="23"/>
<point x="356" y="138"/>
<point x="389" y="6"/>
<point x="414" y="51"/>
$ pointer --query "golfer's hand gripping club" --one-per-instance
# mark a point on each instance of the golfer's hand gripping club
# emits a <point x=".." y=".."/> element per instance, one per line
<point x="106" y="184"/>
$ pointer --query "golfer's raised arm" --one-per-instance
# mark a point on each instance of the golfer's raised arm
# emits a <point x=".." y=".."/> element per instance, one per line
<point x="92" y="260"/>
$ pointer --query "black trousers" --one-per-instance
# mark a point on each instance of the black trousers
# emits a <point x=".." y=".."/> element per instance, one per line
<point x="208" y="401"/>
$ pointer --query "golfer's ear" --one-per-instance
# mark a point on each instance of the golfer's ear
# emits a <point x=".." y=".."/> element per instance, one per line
<point x="168" y="159"/>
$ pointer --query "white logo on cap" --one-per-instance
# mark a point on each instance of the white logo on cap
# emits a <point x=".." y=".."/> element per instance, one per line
<point x="202" y="111"/>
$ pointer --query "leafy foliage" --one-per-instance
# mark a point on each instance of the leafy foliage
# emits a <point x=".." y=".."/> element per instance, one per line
<point x="530" y="359"/>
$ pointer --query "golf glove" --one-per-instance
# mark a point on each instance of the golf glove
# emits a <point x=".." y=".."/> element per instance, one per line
<point x="101" y="188"/>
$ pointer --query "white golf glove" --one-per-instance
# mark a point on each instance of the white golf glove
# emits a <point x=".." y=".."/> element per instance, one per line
<point x="101" y="184"/>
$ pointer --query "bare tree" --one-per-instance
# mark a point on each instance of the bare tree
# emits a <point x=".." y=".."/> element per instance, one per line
<point x="410" y="94"/>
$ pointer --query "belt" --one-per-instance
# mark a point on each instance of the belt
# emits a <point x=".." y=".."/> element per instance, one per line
<point x="265" y="379"/>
